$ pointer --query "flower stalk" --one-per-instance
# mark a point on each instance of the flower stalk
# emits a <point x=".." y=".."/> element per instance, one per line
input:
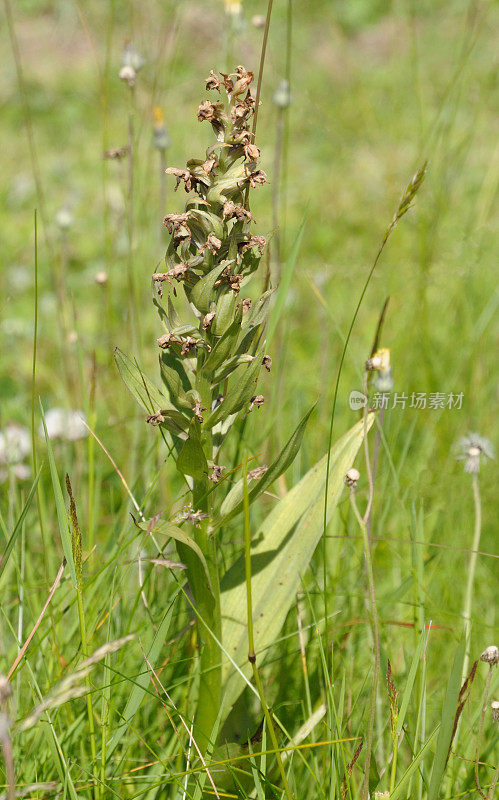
<point x="210" y="352"/>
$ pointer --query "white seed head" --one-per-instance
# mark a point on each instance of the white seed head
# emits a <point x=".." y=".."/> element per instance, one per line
<point x="64" y="218"/>
<point x="495" y="710"/>
<point x="282" y="95"/>
<point x="352" y="477"/>
<point x="132" y="58"/>
<point x="384" y="380"/>
<point x="101" y="278"/>
<point x="490" y="655"/>
<point x="20" y="471"/>
<point x="471" y="449"/>
<point x="15" y="444"/>
<point x="65" y="424"/>
<point x="258" y="21"/>
<point x="128" y="75"/>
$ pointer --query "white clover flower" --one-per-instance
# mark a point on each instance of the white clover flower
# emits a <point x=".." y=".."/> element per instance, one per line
<point x="65" y="424"/>
<point x="473" y="447"/>
<point x="15" y="444"/>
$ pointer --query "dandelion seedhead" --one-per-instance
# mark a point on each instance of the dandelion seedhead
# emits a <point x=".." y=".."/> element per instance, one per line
<point x="210" y="361"/>
<point x="131" y="63"/>
<point x="15" y="445"/>
<point x="65" y="424"/>
<point x="490" y="655"/>
<point x="471" y="449"/>
<point x="495" y="710"/>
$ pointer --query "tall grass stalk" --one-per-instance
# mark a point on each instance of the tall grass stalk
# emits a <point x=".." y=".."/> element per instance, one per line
<point x="78" y="556"/>
<point x="470" y="584"/>
<point x="362" y="522"/>
<point x="403" y="207"/>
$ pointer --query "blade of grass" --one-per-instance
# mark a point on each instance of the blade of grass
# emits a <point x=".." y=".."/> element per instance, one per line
<point x="62" y="517"/>
<point x="447" y="722"/>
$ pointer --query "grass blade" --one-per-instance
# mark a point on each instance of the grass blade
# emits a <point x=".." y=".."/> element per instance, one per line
<point x="62" y="516"/>
<point x="447" y="722"/>
<point x="18" y="526"/>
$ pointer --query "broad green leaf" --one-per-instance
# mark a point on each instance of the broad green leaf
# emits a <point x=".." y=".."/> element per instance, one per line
<point x="174" y="377"/>
<point x="224" y="315"/>
<point x="241" y="390"/>
<point x="174" y="532"/>
<point x="233" y="503"/>
<point x="18" y="526"/>
<point x="283" y="547"/>
<point x="258" y="311"/>
<point x="202" y="293"/>
<point x="223" y="348"/>
<point x="447" y="722"/>
<point x="283" y="289"/>
<point x="142" y="680"/>
<point x="229" y="366"/>
<point x="191" y="459"/>
<point x="62" y="516"/>
<point x="143" y="389"/>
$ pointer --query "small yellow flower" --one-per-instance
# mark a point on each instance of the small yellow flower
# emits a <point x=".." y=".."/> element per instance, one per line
<point x="233" y="7"/>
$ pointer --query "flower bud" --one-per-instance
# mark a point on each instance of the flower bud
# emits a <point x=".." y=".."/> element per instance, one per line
<point x="490" y="655"/>
<point x="101" y="278"/>
<point x="352" y="477"/>
<point x="128" y="75"/>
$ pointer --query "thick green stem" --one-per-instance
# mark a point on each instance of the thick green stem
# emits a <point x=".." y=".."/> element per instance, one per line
<point x="207" y="601"/>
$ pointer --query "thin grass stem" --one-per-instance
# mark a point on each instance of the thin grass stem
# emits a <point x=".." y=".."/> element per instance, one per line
<point x="375" y="626"/>
<point x="468" y="601"/>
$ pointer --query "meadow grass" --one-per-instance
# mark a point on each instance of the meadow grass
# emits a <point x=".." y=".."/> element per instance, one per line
<point x="375" y="91"/>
